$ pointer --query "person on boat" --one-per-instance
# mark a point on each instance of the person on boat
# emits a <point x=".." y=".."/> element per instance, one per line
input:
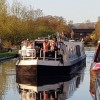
<point x="24" y="48"/>
<point x="46" y="46"/>
<point x="33" y="44"/>
<point x="29" y="47"/>
<point x="53" y="46"/>
<point x="24" y="45"/>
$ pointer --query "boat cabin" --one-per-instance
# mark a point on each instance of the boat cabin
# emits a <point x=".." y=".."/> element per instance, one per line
<point x="63" y="51"/>
<point x="35" y="49"/>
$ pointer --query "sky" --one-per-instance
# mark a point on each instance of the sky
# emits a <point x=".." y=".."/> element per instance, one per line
<point x="77" y="10"/>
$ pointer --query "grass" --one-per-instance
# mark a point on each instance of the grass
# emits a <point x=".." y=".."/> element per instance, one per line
<point x="7" y="54"/>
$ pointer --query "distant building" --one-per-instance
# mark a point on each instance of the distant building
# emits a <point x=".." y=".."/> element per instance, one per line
<point x="81" y="33"/>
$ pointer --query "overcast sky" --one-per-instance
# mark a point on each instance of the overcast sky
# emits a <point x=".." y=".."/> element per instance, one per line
<point x="76" y="10"/>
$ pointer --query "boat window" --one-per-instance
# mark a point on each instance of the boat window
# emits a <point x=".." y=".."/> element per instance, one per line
<point x="59" y="44"/>
<point x="71" y="48"/>
<point x="38" y="44"/>
<point x="68" y="48"/>
<point x="78" y="50"/>
<point x="38" y="47"/>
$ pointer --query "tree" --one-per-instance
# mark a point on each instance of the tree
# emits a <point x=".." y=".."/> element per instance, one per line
<point x="19" y="22"/>
<point x="97" y="29"/>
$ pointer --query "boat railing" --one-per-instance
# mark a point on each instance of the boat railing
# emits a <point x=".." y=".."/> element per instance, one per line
<point x="43" y="55"/>
<point x="32" y="54"/>
<point x="28" y="53"/>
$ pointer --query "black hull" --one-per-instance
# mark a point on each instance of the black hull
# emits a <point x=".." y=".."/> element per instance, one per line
<point x="49" y="70"/>
<point x="41" y="80"/>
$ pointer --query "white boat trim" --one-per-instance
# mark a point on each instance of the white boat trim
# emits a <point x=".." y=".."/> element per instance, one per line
<point x="49" y="62"/>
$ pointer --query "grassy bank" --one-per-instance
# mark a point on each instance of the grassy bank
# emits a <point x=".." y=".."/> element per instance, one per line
<point x="7" y="54"/>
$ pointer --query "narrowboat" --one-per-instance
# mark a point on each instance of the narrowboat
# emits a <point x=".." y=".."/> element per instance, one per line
<point x="63" y="60"/>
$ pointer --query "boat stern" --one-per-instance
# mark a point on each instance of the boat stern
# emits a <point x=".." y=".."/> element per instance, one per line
<point x="26" y="67"/>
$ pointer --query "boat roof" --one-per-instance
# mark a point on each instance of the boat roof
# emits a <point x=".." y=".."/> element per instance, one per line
<point x="70" y="43"/>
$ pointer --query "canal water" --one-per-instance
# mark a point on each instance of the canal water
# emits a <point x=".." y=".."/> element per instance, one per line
<point x="75" y="87"/>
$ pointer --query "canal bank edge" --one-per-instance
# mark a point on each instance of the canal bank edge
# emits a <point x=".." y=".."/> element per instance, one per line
<point x="8" y="56"/>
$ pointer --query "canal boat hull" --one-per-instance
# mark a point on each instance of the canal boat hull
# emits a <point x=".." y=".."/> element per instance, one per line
<point x="43" y="70"/>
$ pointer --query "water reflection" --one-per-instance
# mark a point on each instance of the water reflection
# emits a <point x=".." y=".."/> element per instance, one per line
<point x="49" y="88"/>
<point x="7" y="79"/>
